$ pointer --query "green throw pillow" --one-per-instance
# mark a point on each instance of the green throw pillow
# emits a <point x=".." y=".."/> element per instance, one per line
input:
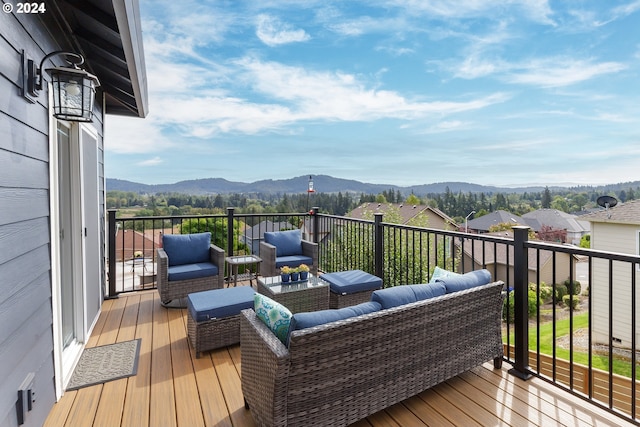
<point x="441" y="273"/>
<point x="273" y="314"/>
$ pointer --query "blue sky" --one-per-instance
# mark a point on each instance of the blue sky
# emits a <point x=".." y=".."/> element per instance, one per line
<point x="495" y="92"/>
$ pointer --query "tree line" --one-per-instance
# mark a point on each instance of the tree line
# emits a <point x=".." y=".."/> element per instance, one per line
<point x="456" y="205"/>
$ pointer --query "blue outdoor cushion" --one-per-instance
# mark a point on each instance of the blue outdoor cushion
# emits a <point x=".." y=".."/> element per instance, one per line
<point x="286" y="242"/>
<point x="405" y="294"/>
<point x="315" y="318"/>
<point x="441" y="273"/>
<point x="352" y="281"/>
<point x="293" y="260"/>
<point x="191" y="271"/>
<point x="466" y="281"/>
<point x="219" y="303"/>
<point x="186" y="248"/>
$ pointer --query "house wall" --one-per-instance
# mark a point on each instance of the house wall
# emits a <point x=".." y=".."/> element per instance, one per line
<point x="615" y="238"/>
<point x="26" y="337"/>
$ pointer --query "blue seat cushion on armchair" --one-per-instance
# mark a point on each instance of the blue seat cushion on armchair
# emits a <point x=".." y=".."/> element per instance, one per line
<point x="191" y="271"/>
<point x="293" y="260"/>
<point x="351" y="281"/>
<point x="286" y="242"/>
<point x="186" y="248"/>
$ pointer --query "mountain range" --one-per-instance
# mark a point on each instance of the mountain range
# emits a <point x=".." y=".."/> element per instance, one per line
<point x="326" y="184"/>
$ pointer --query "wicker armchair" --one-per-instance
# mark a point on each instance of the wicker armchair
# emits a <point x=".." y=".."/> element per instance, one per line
<point x="281" y="248"/>
<point x="188" y="263"/>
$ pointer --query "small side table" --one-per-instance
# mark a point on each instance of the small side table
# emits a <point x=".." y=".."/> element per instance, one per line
<point x="235" y="261"/>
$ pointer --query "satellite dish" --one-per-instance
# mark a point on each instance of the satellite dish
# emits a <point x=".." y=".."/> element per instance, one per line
<point x="607" y="201"/>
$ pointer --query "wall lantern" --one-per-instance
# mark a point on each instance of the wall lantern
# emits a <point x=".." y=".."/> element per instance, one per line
<point x="74" y="89"/>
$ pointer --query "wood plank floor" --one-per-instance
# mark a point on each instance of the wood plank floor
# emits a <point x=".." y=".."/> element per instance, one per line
<point x="173" y="388"/>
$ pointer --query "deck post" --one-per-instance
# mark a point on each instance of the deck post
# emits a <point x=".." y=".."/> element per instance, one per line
<point x="229" y="248"/>
<point x="111" y="246"/>
<point x="378" y="233"/>
<point x="520" y="307"/>
<point x="316" y="222"/>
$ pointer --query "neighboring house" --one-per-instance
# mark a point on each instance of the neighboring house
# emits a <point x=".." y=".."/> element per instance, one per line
<point x="483" y="224"/>
<point x="496" y="261"/>
<point x="52" y="191"/>
<point x="130" y="242"/>
<point x="254" y="235"/>
<point x="557" y="220"/>
<point x="324" y="229"/>
<point x="616" y="230"/>
<point x="409" y="214"/>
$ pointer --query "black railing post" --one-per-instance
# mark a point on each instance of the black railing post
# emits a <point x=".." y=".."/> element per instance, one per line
<point x="316" y="223"/>
<point x="230" y="231"/>
<point x="520" y="302"/>
<point x="111" y="242"/>
<point x="378" y="247"/>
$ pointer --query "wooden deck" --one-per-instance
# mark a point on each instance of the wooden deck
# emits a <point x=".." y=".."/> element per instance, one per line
<point x="173" y="388"/>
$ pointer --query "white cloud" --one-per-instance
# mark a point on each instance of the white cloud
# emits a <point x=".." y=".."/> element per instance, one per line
<point x="151" y="162"/>
<point x="134" y="135"/>
<point x="555" y="72"/>
<point x="273" y="32"/>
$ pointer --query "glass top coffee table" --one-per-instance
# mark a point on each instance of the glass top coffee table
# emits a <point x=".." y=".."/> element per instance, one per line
<point x="246" y="260"/>
<point x="308" y="295"/>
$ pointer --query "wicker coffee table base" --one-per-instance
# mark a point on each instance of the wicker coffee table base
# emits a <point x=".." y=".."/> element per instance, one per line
<point x="341" y="301"/>
<point x="303" y="300"/>
<point x="215" y="333"/>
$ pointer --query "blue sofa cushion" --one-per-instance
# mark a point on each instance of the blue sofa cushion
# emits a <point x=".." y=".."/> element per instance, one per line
<point x="186" y="248"/>
<point x="286" y="242"/>
<point x="191" y="271"/>
<point x="274" y="315"/>
<point x="352" y="281"/>
<point x="219" y="303"/>
<point x="466" y="281"/>
<point x="293" y="260"/>
<point x="315" y="318"/>
<point x="405" y="294"/>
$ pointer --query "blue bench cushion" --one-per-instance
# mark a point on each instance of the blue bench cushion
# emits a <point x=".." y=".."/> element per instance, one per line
<point x="400" y="295"/>
<point x="274" y="315"/>
<point x="186" y="248"/>
<point x="352" y="281"/>
<point x="315" y="318"/>
<point x="286" y="242"/>
<point x="293" y="260"/>
<point x="191" y="271"/>
<point x="466" y="281"/>
<point x="219" y="303"/>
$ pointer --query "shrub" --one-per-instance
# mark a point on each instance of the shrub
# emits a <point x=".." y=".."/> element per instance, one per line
<point x="561" y="291"/>
<point x="546" y="291"/>
<point x="509" y="303"/>
<point x="570" y="299"/>
<point x="575" y="287"/>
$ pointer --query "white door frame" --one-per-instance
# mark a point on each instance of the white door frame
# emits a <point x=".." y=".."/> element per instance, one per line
<point x="65" y="359"/>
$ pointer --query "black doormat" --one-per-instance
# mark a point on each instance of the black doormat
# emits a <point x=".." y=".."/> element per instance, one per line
<point x="106" y="363"/>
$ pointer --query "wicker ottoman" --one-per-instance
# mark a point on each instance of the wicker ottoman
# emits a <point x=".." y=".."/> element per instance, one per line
<point x="350" y="287"/>
<point x="214" y="317"/>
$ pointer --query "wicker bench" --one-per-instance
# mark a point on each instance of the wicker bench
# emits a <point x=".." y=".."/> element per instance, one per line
<point x="214" y="317"/>
<point x="342" y="371"/>
<point x="350" y="287"/>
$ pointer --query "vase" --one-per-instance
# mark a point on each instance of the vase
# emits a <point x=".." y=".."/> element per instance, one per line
<point x="304" y="275"/>
<point x="284" y="277"/>
<point x="294" y="277"/>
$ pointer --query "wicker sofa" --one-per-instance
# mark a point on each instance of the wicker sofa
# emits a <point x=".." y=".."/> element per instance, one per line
<point x="340" y="372"/>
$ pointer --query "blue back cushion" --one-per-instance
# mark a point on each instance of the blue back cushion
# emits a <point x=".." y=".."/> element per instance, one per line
<point x="405" y="294"/>
<point x="465" y="281"/>
<point x="286" y="242"/>
<point x="315" y="318"/>
<point x="186" y="248"/>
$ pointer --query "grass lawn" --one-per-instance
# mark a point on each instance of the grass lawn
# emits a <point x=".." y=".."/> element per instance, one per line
<point x="580" y="321"/>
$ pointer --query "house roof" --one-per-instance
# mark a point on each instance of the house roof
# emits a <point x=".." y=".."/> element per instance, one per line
<point x="484" y="222"/>
<point x="501" y="253"/>
<point x="555" y="219"/>
<point x="623" y="213"/>
<point x="108" y="33"/>
<point x="406" y="212"/>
